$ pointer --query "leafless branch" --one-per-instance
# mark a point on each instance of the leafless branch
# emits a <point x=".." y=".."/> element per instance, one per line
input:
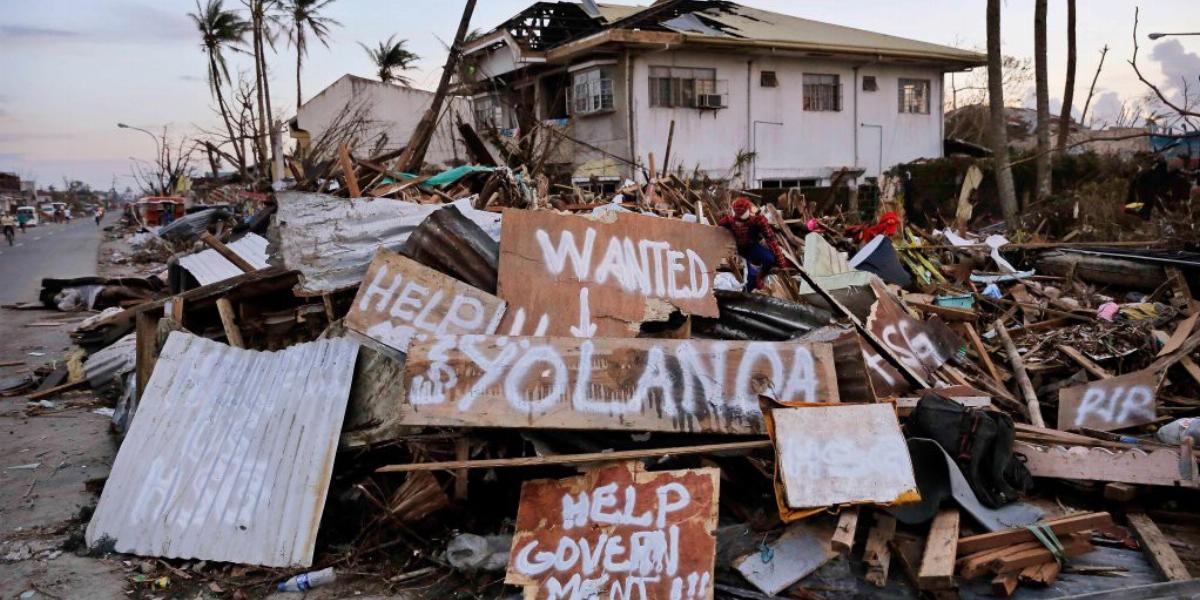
<point x="1185" y="110"/>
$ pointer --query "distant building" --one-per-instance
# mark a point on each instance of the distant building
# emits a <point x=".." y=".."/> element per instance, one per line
<point x="971" y="124"/>
<point x="789" y="100"/>
<point x="382" y="117"/>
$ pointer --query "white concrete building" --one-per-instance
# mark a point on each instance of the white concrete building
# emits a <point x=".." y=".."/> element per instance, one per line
<point x="388" y="114"/>
<point x="797" y="100"/>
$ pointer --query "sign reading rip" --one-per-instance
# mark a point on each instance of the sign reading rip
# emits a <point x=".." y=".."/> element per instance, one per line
<point x="618" y="532"/>
<point x="401" y="300"/>
<point x="568" y="275"/>
<point x="1109" y="404"/>
<point x="619" y="384"/>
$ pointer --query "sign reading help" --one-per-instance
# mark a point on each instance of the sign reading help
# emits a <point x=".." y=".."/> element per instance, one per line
<point x="401" y="300"/>
<point x="620" y="384"/>
<point x="1109" y="404"/>
<point x="849" y="454"/>
<point x="568" y="275"/>
<point x="617" y="532"/>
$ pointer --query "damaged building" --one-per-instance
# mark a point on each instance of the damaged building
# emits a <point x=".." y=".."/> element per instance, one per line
<point x="792" y="101"/>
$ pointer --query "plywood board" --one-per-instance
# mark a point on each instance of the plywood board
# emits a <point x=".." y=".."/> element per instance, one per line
<point x="923" y="346"/>
<point x="569" y="275"/>
<point x="616" y="384"/>
<point x="1109" y="404"/>
<point x="401" y="300"/>
<point x="853" y="453"/>
<point x="617" y="532"/>
<point x="802" y="549"/>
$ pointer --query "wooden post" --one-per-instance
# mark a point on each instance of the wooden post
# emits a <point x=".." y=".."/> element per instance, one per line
<point x="847" y="525"/>
<point x="1084" y="362"/>
<point x="878" y="554"/>
<point x="941" y="547"/>
<point x="462" y="452"/>
<point x="223" y="250"/>
<point x="1031" y="399"/>
<point x="347" y="166"/>
<point x="146" y="353"/>
<point x="667" y="155"/>
<point x="232" y="333"/>
<point x="414" y="153"/>
<point x="1157" y="548"/>
<point x="981" y="350"/>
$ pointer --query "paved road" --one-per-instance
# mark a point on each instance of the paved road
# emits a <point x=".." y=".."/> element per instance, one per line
<point x="48" y="250"/>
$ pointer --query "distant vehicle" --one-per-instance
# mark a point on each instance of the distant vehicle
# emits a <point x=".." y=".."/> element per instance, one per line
<point x="29" y="212"/>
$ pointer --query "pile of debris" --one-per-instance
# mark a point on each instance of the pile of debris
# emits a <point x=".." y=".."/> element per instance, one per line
<point x="617" y="395"/>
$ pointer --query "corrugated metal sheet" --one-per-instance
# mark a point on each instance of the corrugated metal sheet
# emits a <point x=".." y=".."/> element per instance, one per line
<point x="231" y="457"/>
<point x="750" y="317"/>
<point x="110" y="363"/>
<point x="207" y="266"/>
<point x="330" y="240"/>
<point x="451" y="243"/>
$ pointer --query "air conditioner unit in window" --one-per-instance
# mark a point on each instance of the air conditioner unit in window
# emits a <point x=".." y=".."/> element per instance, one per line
<point x="710" y="101"/>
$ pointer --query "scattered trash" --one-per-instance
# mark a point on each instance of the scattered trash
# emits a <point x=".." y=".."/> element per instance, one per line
<point x="308" y="581"/>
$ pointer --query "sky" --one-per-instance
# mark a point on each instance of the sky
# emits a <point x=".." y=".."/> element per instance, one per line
<point x="73" y="69"/>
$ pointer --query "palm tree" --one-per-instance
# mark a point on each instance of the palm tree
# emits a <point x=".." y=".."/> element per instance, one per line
<point x="260" y="27"/>
<point x="220" y="30"/>
<point x="1042" y="183"/>
<point x="391" y="56"/>
<point x="303" y="18"/>
<point x="999" y="133"/>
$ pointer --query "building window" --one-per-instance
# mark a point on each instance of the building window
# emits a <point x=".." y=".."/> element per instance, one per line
<point x="787" y="184"/>
<point x="869" y="83"/>
<point x="914" y="96"/>
<point x="768" y="79"/>
<point x="591" y="91"/>
<point x="822" y="92"/>
<point x="683" y="86"/>
<point x="490" y="111"/>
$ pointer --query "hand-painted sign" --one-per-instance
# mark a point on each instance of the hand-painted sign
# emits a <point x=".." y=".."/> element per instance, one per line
<point x="618" y="532"/>
<point x="1109" y="404"/>
<point x="923" y="346"/>
<point x="848" y="454"/>
<point x="637" y="384"/>
<point x="568" y="275"/>
<point x="401" y="300"/>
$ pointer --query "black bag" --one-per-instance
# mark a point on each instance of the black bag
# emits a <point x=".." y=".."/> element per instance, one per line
<point x="980" y="441"/>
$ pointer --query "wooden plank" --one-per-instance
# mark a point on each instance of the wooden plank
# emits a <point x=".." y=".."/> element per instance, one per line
<point x="347" y="167"/>
<point x="146" y="352"/>
<point x="1044" y="574"/>
<point x="1005" y="584"/>
<point x="1108" y="404"/>
<point x="877" y="555"/>
<point x="1073" y="545"/>
<point x="1014" y="358"/>
<point x="212" y="242"/>
<point x="232" y="333"/>
<point x="941" y="547"/>
<point x="1157" y="548"/>
<point x="832" y="455"/>
<point x="1146" y="467"/>
<point x="1084" y="361"/>
<point x="569" y="275"/>
<point x="1060" y="526"/>
<point x="1181" y="333"/>
<point x="612" y="510"/>
<point x="569" y="459"/>
<point x="401" y="300"/>
<point x="946" y="312"/>
<point x="610" y="383"/>
<point x="58" y="389"/>
<point x="1186" y="362"/>
<point x="462" y="453"/>
<point x="976" y="564"/>
<point x="982" y="351"/>
<point x="843" y="535"/>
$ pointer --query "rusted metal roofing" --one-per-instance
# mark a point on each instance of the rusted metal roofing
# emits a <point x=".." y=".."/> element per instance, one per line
<point x="331" y="241"/>
<point x="231" y="454"/>
<point x="208" y="266"/>
<point x="453" y="244"/>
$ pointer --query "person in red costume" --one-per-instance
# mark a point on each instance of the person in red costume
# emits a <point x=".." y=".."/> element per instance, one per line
<point x="755" y="241"/>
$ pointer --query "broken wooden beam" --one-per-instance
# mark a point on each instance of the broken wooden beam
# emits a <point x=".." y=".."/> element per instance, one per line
<point x="564" y="459"/>
<point x="347" y="166"/>
<point x="843" y="535"/>
<point x="1014" y="358"/>
<point x="878" y="553"/>
<point x="212" y="242"/>
<point x="232" y="333"/>
<point x="58" y="389"/>
<point x="1060" y="526"/>
<point x="941" y="547"/>
<point x="1157" y="548"/>
<point x="1072" y="545"/>
<point x="1085" y="362"/>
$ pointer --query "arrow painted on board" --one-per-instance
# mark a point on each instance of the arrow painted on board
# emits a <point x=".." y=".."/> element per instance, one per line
<point x="586" y="327"/>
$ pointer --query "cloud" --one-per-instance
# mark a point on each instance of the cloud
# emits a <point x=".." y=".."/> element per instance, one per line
<point x="1106" y="107"/>
<point x="1177" y="65"/>
<point x="31" y="32"/>
<point x="191" y="78"/>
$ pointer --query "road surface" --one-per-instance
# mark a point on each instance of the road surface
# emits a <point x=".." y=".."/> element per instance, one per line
<point x="48" y="250"/>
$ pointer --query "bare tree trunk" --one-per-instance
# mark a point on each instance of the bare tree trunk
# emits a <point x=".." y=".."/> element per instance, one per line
<point x="260" y="146"/>
<point x="237" y="148"/>
<point x="1092" y="90"/>
<point x="1064" y="119"/>
<point x="299" y="65"/>
<point x="999" y="135"/>
<point x="1042" y="187"/>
